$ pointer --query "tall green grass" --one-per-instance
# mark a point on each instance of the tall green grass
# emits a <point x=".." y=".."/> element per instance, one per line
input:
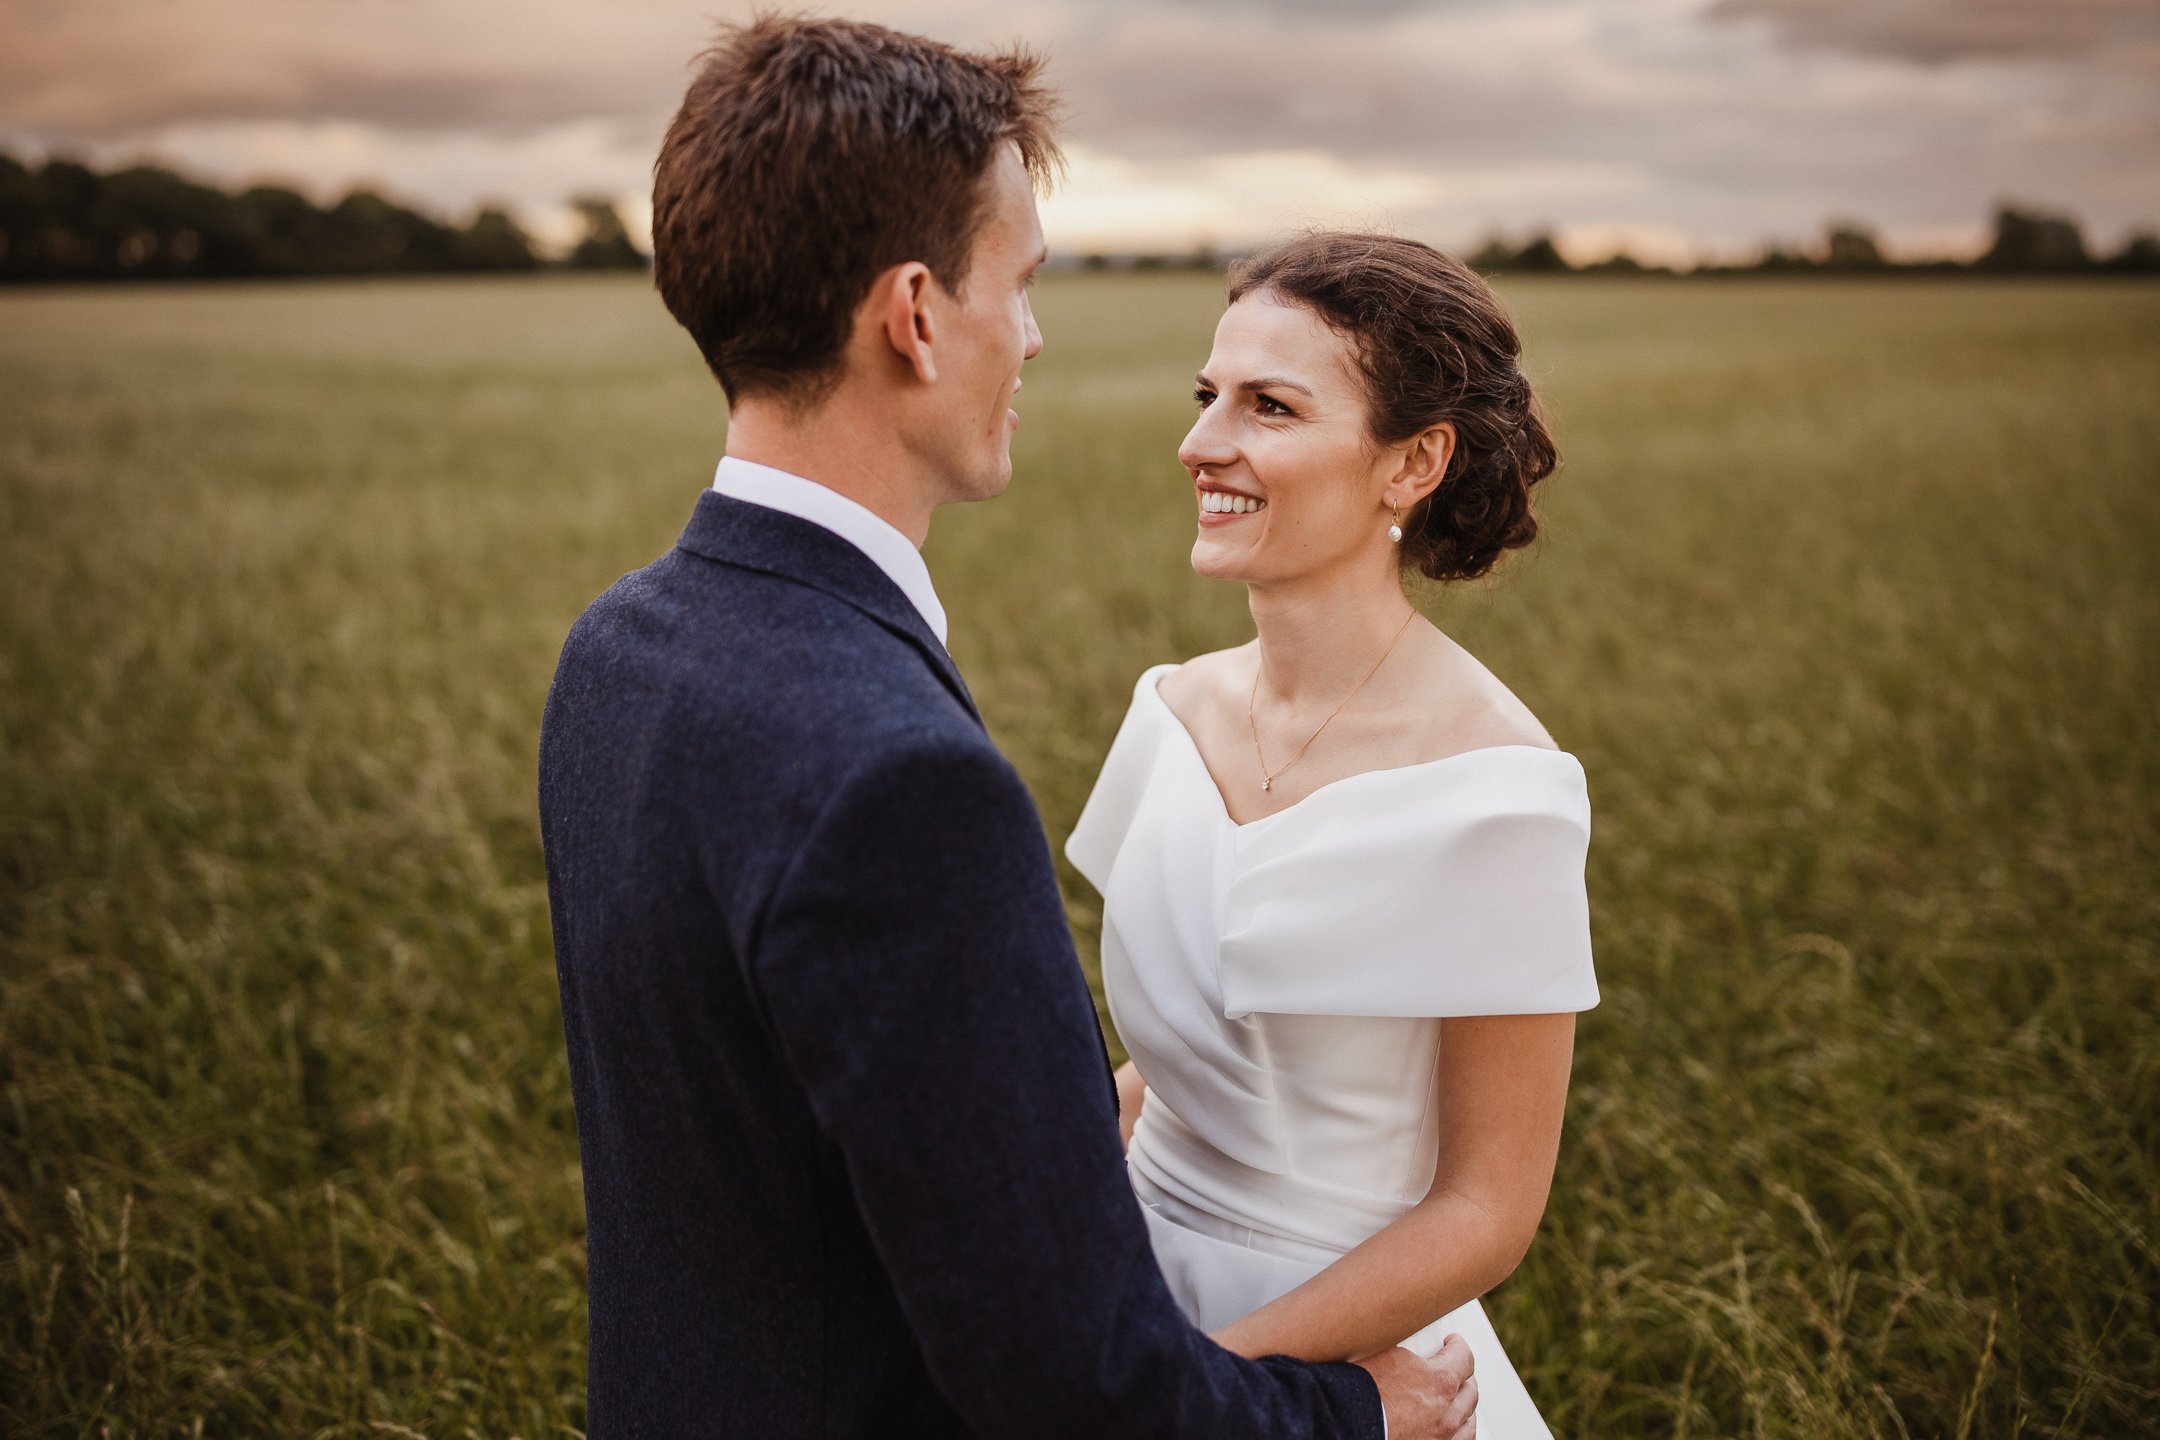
<point x="1846" y="600"/>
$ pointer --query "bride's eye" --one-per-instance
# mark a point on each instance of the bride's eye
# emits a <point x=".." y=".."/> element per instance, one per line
<point x="1269" y="405"/>
<point x="1203" y="397"/>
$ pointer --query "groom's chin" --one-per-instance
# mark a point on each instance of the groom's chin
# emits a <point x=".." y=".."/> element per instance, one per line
<point x="989" y="481"/>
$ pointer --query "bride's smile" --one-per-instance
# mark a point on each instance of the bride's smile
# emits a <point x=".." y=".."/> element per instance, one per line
<point x="1220" y="505"/>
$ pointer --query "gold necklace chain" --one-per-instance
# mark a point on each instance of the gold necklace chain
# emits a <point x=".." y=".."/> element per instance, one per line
<point x="1267" y="778"/>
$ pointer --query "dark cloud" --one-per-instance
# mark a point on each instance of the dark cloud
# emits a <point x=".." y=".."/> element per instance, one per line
<point x="1416" y="101"/>
<point x="1935" y="32"/>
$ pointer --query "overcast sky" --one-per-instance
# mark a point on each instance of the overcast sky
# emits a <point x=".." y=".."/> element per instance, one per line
<point x="1675" y="127"/>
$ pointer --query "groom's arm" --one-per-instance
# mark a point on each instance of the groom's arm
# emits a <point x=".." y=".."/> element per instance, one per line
<point x="915" y="964"/>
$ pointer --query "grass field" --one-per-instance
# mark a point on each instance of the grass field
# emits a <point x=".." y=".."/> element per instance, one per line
<point x="1847" y="602"/>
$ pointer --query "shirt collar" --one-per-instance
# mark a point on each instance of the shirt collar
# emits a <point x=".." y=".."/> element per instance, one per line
<point x="888" y="549"/>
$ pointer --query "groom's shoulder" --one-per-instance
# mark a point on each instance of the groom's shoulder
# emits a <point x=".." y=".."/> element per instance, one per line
<point x="758" y="657"/>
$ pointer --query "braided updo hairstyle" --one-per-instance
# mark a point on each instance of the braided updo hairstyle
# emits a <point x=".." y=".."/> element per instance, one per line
<point x="1433" y="344"/>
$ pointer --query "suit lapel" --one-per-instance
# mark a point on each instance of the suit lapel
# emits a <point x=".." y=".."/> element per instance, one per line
<point x="752" y="537"/>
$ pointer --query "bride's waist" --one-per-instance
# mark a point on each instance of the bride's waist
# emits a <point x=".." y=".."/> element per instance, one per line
<point x="1194" y="1184"/>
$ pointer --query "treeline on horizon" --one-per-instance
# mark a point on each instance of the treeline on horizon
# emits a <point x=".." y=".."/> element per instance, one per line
<point x="2026" y="241"/>
<point x="65" y="221"/>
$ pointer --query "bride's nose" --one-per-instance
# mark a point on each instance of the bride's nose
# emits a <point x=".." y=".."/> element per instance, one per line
<point x="1207" y="444"/>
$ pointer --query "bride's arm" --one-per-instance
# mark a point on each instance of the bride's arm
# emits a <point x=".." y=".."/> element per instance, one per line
<point x="1131" y="1090"/>
<point x="1502" y="1089"/>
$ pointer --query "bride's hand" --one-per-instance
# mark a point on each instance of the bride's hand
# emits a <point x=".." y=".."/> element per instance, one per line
<point x="1131" y="1090"/>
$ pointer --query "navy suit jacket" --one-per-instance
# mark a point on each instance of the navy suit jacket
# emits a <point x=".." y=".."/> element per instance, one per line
<point x="851" y="1167"/>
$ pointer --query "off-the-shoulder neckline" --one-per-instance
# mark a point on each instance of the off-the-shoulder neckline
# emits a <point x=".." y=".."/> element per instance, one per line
<point x="1151" y="686"/>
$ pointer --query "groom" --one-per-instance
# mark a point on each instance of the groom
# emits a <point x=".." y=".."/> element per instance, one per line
<point x="850" y="1148"/>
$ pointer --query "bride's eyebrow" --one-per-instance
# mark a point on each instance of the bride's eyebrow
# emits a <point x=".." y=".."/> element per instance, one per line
<point x="1264" y="382"/>
<point x="1276" y="382"/>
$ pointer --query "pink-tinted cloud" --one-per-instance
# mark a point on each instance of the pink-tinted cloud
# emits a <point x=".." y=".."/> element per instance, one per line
<point x="99" y="68"/>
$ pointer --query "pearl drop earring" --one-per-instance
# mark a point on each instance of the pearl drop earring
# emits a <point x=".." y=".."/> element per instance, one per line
<point x="1394" y="530"/>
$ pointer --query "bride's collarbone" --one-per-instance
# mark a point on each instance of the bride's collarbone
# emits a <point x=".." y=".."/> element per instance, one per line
<point x="1431" y="717"/>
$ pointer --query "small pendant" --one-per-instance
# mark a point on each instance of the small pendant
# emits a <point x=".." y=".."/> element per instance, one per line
<point x="1267" y="783"/>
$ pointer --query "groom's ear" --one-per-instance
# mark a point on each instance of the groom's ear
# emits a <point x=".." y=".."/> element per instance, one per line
<point x="902" y="295"/>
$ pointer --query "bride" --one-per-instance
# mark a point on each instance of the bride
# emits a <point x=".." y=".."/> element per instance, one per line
<point x="1345" y="932"/>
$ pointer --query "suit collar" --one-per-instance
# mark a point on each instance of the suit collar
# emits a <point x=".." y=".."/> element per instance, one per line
<point x="753" y="537"/>
<point x="892" y="552"/>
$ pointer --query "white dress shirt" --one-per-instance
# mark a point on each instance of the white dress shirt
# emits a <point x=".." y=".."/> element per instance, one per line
<point x="888" y="549"/>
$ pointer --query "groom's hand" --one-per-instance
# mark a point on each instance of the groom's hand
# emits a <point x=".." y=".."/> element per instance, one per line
<point x="1432" y="1399"/>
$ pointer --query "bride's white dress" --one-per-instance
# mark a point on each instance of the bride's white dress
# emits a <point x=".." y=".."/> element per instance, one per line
<point x="1280" y="985"/>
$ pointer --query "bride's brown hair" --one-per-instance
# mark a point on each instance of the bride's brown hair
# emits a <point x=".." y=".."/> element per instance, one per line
<point x="1433" y="344"/>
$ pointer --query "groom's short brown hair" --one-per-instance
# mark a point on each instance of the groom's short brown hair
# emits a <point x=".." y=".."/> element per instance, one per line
<point x="808" y="157"/>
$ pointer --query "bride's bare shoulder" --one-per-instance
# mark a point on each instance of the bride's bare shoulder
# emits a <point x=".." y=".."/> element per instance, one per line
<point x="1471" y="709"/>
<point x="1203" y="682"/>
